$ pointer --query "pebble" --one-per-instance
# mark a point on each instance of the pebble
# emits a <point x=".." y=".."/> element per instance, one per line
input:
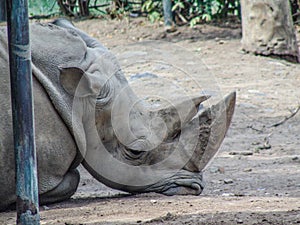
<point x="228" y="181"/>
<point x="168" y="216"/>
<point x="142" y="75"/>
<point x="213" y="169"/>
<point x="198" y="50"/>
<point x="217" y="169"/>
<point x="244" y="153"/>
<point x="45" y="207"/>
<point x="240" y="221"/>
<point x="247" y="170"/>
<point x="227" y="194"/>
<point x="153" y="201"/>
<point x="264" y="146"/>
<point x="221" y="169"/>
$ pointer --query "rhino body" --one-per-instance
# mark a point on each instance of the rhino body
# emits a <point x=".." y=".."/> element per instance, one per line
<point x="77" y="83"/>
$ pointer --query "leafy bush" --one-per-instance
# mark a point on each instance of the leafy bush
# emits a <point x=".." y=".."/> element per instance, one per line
<point x="42" y="7"/>
<point x="193" y="11"/>
<point x="154" y="9"/>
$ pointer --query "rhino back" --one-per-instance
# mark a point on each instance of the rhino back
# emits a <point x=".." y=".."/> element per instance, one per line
<point x="55" y="146"/>
<point x="52" y="47"/>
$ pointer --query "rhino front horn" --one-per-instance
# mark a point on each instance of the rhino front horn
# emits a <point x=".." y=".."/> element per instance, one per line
<point x="213" y="124"/>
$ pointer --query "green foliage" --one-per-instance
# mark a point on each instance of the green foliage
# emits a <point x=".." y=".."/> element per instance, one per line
<point x="184" y="11"/>
<point x="154" y="10"/>
<point x="193" y="11"/>
<point x="42" y="7"/>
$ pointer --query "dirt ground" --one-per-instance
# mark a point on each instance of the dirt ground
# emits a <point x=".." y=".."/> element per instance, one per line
<point x="255" y="177"/>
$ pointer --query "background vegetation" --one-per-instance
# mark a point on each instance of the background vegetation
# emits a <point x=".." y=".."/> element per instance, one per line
<point x="184" y="11"/>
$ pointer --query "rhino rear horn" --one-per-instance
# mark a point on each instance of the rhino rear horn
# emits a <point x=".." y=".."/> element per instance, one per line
<point x="178" y="114"/>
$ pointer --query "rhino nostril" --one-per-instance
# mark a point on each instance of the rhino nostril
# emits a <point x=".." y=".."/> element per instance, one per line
<point x="140" y="145"/>
<point x="136" y="153"/>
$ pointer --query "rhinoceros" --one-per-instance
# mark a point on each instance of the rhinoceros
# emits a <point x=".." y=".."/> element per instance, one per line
<point x="86" y="112"/>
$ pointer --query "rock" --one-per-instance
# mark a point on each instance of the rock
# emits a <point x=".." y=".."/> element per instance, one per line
<point x="228" y="181"/>
<point x="45" y="207"/>
<point x="247" y="170"/>
<point x="244" y="153"/>
<point x="221" y="169"/>
<point x="142" y="75"/>
<point x="239" y="221"/>
<point x="227" y="194"/>
<point x="213" y="169"/>
<point x="264" y="146"/>
<point x="217" y="169"/>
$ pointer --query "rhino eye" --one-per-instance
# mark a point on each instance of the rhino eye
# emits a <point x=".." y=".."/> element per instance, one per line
<point x="105" y="95"/>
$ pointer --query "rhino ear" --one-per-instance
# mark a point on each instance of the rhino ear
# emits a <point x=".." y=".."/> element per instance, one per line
<point x="75" y="81"/>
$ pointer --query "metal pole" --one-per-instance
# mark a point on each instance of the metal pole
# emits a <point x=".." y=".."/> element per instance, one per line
<point x="22" y="109"/>
<point x="168" y="15"/>
<point x="2" y="10"/>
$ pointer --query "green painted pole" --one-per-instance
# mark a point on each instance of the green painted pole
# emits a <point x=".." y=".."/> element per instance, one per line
<point x="22" y="110"/>
<point x="2" y="10"/>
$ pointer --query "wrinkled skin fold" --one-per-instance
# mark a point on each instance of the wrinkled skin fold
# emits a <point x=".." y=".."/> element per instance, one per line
<point x="86" y="112"/>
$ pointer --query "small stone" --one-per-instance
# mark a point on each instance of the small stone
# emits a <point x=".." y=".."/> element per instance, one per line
<point x="227" y="194"/>
<point x="153" y="201"/>
<point x="244" y="153"/>
<point x="45" y="207"/>
<point x="168" y="216"/>
<point x="295" y="158"/>
<point x="239" y="221"/>
<point x="170" y="29"/>
<point x="247" y="170"/>
<point x="228" y="181"/>
<point x="198" y="50"/>
<point x="213" y="169"/>
<point x="221" y="169"/>
<point x="239" y="194"/>
<point x="265" y="146"/>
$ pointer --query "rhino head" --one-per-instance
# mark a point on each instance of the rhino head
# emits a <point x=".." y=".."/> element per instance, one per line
<point x="129" y="145"/>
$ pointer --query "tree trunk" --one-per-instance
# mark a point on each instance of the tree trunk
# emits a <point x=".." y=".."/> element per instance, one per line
<point x="268" y="29"/>
<point x="84" y="7"/>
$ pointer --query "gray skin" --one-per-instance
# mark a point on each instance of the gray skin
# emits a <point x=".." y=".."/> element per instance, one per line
<point x="85" y="112"/>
